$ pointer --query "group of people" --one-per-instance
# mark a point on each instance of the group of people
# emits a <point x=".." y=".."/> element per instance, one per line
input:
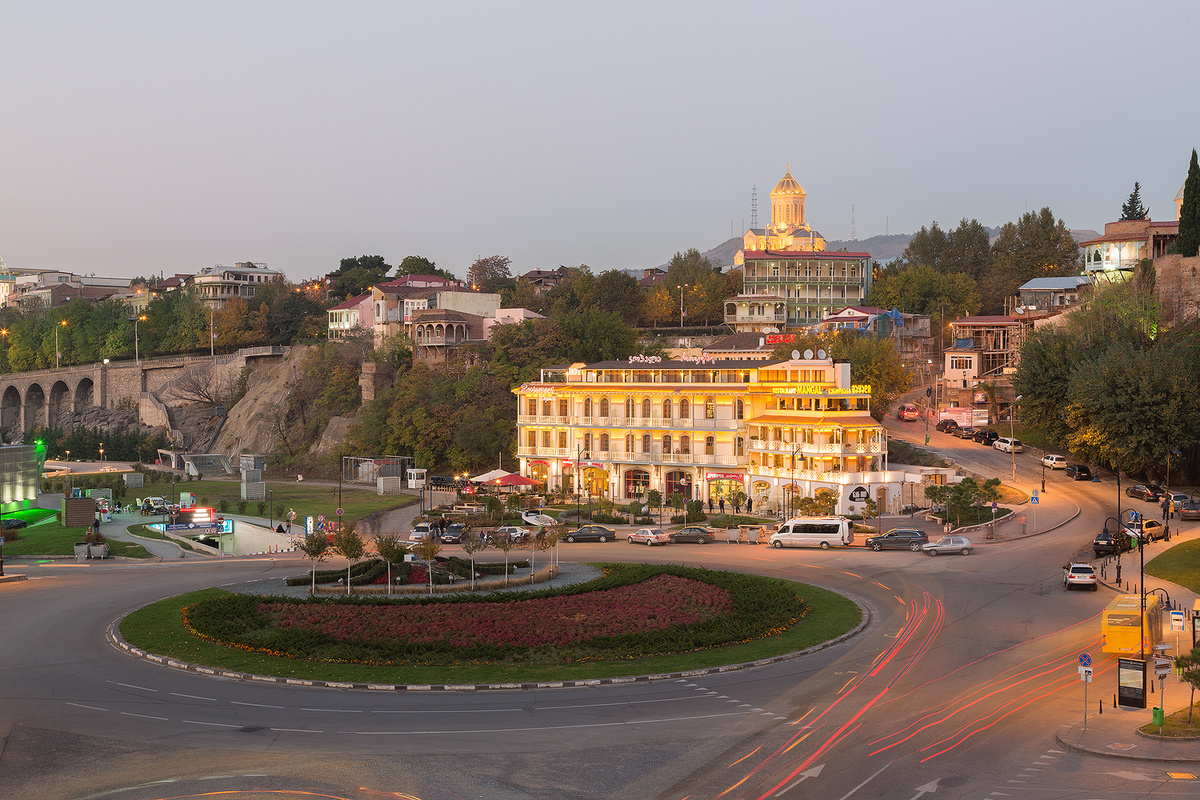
<point x="737" y="506"/>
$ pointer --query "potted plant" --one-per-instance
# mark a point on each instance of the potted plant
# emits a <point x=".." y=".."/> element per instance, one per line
<point x="97" y="545"/>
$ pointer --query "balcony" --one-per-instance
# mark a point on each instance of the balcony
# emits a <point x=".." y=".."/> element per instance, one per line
<point x="822" y="448"/>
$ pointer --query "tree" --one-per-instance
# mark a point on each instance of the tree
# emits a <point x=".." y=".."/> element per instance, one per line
<point x="1036" y="246"/>
<point x="504" y="543"/>
<point x="419" y="265"/>
<point x="921" y="289"/>
<point x="489" y="268"/>
<point x="1133" y="208"/>
<point x="354" y="275"/>
<point x="598" y="336"/>
<point x="705" y="289"/>
<point x="351" y="547"/>
<point x="658" y="305"/>
<point x="471" y="543"/>
<point x="1189" y="670"/>
<point x="1188" y="243"/>
<point x="619" y="293"/>
<point x="392" y="550"/>
<point x="427" y="550"/>
<point x="314" y="546"/>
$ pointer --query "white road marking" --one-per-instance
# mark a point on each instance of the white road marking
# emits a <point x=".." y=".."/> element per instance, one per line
<point x="131" y="686"/>
<point x="92" y="708"/>
<point x="451" y="711"/>
<point x="542" y="727"/>
<point x="622" y="703"/>
<point x="142" y="716"/>
<point x="255" y="705"/>
<point x="334" y="710"/>
<point x="213" y="724"/>
<point x="194" y="697"/>
<point x="293" y="730"/>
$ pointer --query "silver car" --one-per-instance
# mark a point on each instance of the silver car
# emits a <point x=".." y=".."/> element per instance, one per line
<point x="949" y="544"/>
<point x="648" y="536"/>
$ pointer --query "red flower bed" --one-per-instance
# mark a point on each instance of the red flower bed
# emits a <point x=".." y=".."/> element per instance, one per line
<point x="655" y="604"/>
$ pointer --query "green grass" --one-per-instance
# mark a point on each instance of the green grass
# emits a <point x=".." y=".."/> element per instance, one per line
<point x="146" y="532"/>
<point x="1176" y="725"/>
<point x="306" y="499"/>
<point x="47" y="539"/>
<point x="1180" y="564"/>
<point x="127" y="549"/>
<point x="157" y="628"/>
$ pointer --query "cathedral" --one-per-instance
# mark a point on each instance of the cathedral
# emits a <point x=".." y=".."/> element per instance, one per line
<point x="789" y="231"/>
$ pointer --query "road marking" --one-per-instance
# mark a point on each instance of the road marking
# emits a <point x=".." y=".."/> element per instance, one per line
<point x="255" y="705"/>
<point x="864" y="783"/>
<point x="92" y="708"/>
<point x="213" y="724"/>
<point x="293" y="730"/>
<point x="131" y="686"/>
<point x="808" y="773"/>
<point x="142" y="716"/>
<point x="624" y="724"/>
<point x="194" y="697"/>
<point x="334" y="710"/>
<point x="452" y="711"/>
<point x="623" y="703"/>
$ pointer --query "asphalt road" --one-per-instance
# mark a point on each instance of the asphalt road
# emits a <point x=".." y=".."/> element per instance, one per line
<point x="954" y="689"/>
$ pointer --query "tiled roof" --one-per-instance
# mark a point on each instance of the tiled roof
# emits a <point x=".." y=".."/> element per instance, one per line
<point x="836" y="255"/>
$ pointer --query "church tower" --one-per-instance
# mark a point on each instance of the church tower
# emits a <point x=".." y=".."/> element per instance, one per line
<point x="787" y="203"/>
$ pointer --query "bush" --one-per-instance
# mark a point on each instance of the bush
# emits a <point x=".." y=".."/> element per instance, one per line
<point x="262" y="508"/>
<point x="224" y="506"/>
<point x="241" y="506"/>
<point x="695" y="511"/>
<point x="608" y="519"/>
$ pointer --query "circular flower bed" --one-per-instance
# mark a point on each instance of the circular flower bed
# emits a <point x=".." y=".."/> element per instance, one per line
<point x="633" y="611"/>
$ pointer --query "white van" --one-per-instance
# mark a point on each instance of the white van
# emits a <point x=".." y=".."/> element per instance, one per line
<point x="822" y="532"/>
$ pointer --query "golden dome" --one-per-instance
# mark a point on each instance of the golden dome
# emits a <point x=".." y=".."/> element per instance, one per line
<point x="788" y="185"/>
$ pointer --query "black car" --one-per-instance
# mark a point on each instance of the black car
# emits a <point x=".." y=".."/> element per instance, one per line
<point x="592" y="533"/>
<point x="1079" y="472"/>
<point x="985" y="436"/>
<point x="898" y="539"/>
<point x="1111" y="543"/>
<point x="1143" y="492"/>
<point x="693" y="533"/>
<point x="964" y="433"/>
<point x="453" y="534"/>
<point x="946" y="425"/>
<point x="12" y="524"/>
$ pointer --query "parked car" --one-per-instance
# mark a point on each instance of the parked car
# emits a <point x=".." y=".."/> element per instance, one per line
<point x="13" y="524"/>
<point x="1079" y="574"/>
<point x="1006" y="445"/>
<point x="592" y="533"/>
<point x="949" y="544"/>
<point x="453" y="533"/>
<point x="964" y="433"/>
<point x="1148" y="530"/>
<point x="1179" y="498"/>
<point x="420" y="532"/>
<point x="1079" y="472"/>
<point x="1144" y="492"/>
<point x="898" y="539"/>
<point x="946" y="425"/>
<point x="1190" y="510"/>
<point x="985" y="436"/>
<point x="514" y="533"/>
<point x="907" y="412"/>
<point x="693" y="533"/>
<point x="1111" y="543"/>
<point x="1054" y="461"/>
<point x="648" y="536"/>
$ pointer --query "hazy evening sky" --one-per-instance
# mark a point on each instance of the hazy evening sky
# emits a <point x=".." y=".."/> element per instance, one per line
<point x="147" y="137"/>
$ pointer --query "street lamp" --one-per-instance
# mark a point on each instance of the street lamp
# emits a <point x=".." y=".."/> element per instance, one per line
<point x="57" y="351"/>
<point x="791" y="489"/>
<point x="580" y="453"/>
<point x="102" y="451"/>
<point x="271" y="506"/>
<point x="682" y="286"/>
<point x="1012" y="408"/>
<point x="136" y="354"/>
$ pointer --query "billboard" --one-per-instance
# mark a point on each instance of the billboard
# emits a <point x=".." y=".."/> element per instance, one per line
<point x="1131" y="682"/>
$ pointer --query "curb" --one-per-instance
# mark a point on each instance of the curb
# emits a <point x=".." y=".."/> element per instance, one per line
<point x="114" y="637"/>
<point x="1120" y="756"/>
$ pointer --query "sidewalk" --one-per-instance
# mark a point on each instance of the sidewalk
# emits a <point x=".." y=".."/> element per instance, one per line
<point x="1114" y="734"/>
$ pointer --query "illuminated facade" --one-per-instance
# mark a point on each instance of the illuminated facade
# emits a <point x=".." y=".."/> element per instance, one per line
<point x="707" y="428"/>
<point x="789" y="231"/>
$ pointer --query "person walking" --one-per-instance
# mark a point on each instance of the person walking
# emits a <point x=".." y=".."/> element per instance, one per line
<point x="722" y="504"/>
<point x="1166" y="507"/>
<point x="710" y="504"/>
<point x="749" y="505"/>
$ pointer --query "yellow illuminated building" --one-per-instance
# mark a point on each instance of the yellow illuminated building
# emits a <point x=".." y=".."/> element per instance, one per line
<point x="707" y="429"/>
<point x="789" y="231"/>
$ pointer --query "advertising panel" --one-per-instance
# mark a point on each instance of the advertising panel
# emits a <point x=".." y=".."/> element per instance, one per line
<point x="1131" y="682"/>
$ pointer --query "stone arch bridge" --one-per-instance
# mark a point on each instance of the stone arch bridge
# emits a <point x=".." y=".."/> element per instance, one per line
<point x="53" y="396"/>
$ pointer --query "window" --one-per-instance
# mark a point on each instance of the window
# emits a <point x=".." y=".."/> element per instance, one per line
<point x="562" y="440"/>
<point x="545" y="438"/>
<point x="629" y="443"/>
<point x="562" y="407"/>
<point x="587" y="407"/>
<point x="685" y="444"/>
<point x="740" y="409"/>
<point x="604" y="443"/>
<point x="587" y="442"/>
<point x="532" y="438"/>
<point x="710" y="408"/>
<point x="547" y="408"/>
<point x="629" y="408"/>
<point x="710" y="445"/>
<point x="645" y="443"/>
<point x="684" y="409"/>
<point x="532" y="407"/>
<point x="739" y="446"/>
<point x="646" y="408"/>
<point x="666" y="443"/>
<point x="604" y="407"/>
<point x="666" y="409"/>
<point x="637" y="481"/>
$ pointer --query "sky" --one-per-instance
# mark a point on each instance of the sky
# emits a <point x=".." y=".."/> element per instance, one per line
<point x="139" y="138"/>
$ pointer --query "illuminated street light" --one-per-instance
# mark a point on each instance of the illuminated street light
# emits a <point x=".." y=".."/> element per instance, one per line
<point x="57" y="351"/>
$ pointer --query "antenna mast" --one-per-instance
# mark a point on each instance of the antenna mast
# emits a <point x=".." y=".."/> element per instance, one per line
<point x="853" y="235"/>
<point x="754" y="206"/>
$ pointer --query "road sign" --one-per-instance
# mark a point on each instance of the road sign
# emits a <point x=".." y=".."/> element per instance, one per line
<point x="1085" y="659"/>
<point x="993" y="505"/>
<point x="1162" y="667"/>
<point x="1162" y="646"/>
<point x="1035" y="492"/>
<point x="1085" y="674"/>
<point x="1176" y="616"/>
<point x="340" y="512"/>
<point x="1" y="541"/>
<point x="220" y="520"/>
<point x="320" y="517"/>
<point x="1033" y="500"/>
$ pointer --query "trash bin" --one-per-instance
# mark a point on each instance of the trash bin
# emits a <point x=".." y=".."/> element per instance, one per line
<point x="81" y="551"/>
<point x="1158" y="716"/>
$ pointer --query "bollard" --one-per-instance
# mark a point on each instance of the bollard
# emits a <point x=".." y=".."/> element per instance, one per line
<point x="1101" y="708"/>
<point x="1114" y="701"/>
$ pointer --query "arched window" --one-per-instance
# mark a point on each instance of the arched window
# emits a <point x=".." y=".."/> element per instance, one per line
<point x="710" y="408"/>
<point x="604" y="406"/>
<point x="685" y="409"/>
<point x="604" y="443"/>
<point x="587" y="443"/>
<point x="666" y="443"/>
<point x="629" y="443"/>
<point x="645" y="443"/>
<point x="741" y="409"/>
<point x="739" y="446"/>
<point x="637" y="481"/>
<point x="646" y="408"/>
<point x="629" y="408"/>
<point x="587" y="407"/>
<point x="547" y="408"/>
<point x="666" y="409"/>
<point x="710" y="445"/>
<point x="685" y="444"/>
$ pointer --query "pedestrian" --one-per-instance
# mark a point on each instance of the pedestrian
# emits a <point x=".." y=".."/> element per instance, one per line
<point x="1172" y="508"/>
<point x="749" y="504"/>
<point x="722" y="504"/>
<point x="1165" y="507"/>
<point x="710" y="504"/>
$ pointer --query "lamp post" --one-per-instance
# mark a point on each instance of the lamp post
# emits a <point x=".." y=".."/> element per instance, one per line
<point x="1012" y="435"/>
<point x="682" y="286"/>
<point x="580" y="453"/>
<point x="791" y="489"/>
<point x="102" y="451"/>
<point x="137" y="356"/>
<point x="271" y="506"/>
<point x="57" y="352"/>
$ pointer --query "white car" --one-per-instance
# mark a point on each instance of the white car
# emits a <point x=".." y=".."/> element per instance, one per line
<point x="1079" y="574"/>
<point x="648" y="536"/>
<point x="1054" y="462"/>
<point x="1006" y="445"/>
<point x="949" y="544"/>
<point x="537" y="518"/>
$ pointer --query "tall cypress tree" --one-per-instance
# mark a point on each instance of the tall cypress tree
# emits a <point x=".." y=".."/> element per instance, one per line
<point x="1189" y="213"/>
<point x="1133" y="208"/>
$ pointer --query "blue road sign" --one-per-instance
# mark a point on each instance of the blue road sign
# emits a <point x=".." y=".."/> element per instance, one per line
<point x="1085" y="659"/>
<point x="1034" y="500"/>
